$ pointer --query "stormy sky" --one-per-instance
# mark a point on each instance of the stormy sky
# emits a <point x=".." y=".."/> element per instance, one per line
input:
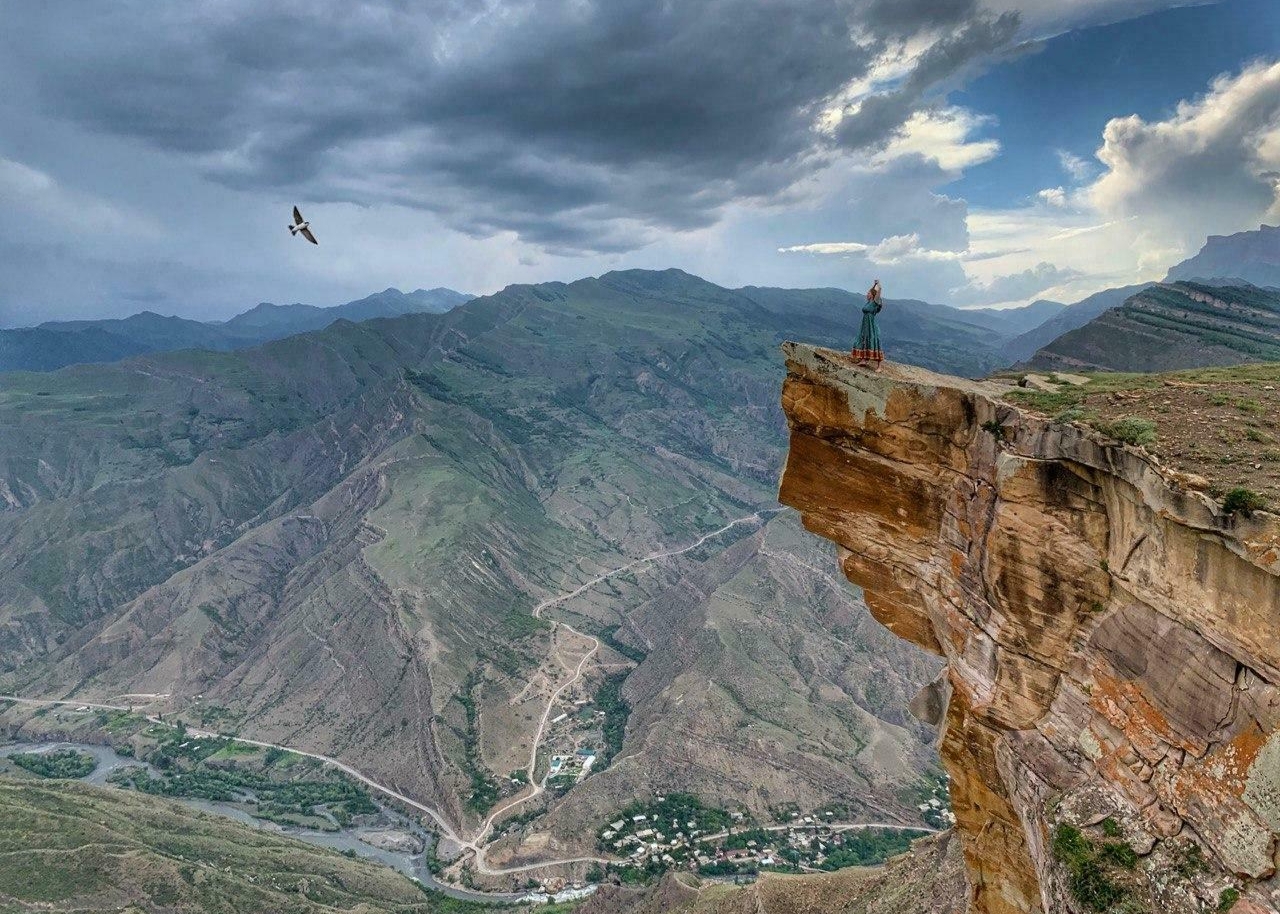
<point x="964" y="152"/>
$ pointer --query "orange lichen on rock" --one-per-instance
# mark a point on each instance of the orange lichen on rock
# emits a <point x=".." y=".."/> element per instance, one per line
<point x="1128" y="708"/>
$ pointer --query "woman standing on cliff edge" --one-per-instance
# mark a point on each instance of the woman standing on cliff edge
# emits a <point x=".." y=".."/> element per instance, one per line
<point x="868" y="350"/>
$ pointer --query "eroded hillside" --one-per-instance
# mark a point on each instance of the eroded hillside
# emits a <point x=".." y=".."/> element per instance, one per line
<point x="369" y="541"/>
<point x="1112" y="690"/>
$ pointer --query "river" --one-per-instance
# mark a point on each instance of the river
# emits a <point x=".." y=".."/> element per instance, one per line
<point x="412" y="865"/>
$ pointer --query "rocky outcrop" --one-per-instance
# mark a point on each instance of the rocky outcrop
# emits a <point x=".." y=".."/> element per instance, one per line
<point x="1112" y="639"/>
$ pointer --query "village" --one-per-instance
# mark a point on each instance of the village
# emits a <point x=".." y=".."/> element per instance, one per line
<point x="677" y="831"/>
<point x="935" y="808"/>
<point x="574" y="739"/>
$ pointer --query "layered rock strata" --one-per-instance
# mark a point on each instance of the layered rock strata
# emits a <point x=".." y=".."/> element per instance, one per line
<point x="1112" y="690"/>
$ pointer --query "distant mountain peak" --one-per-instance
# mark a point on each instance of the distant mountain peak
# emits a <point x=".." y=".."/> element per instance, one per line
<point x="1252" y="257"/>
<point x="62" y="343"/>
<point x="653" y="279"/>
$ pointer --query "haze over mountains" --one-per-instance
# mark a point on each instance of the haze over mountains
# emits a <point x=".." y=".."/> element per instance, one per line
<point x="56" y="344"/>
<point x="1016" y="320"/>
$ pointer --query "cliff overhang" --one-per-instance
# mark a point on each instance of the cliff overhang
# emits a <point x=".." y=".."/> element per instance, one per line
<point x="1112" y="637"/>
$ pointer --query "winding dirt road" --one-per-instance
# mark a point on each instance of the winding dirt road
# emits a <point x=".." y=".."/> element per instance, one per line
<point x="539" y="787"/>
<point x="472" y="844"/>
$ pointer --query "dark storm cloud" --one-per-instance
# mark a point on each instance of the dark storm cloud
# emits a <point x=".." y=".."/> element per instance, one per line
<point x="880" y="115"/>
<point x="582" y="125"/>
<point x="905" y="17"/>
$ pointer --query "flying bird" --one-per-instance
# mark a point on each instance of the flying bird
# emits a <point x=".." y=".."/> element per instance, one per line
<point x="301" y="227"/>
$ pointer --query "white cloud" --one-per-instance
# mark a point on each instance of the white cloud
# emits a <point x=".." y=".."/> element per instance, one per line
<point x="892" y="250"/>
<point x="1076" y="168"/>
<point x="19" y="180"/>
<point x="1156" y="190"/>
<point x="1091" y="254"/>
<point x="46" y="205"/>
<point x="943" y="136"/>
<point x="1013" y="288"/>
<point x="1054" y="196"/>
<point x="1213" y="167"/>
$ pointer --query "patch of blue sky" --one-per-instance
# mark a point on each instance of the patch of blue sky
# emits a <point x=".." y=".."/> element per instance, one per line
<point x="1059" y="99"/>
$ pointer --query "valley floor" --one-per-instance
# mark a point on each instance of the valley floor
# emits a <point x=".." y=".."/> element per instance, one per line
<point x="572" y="660"/>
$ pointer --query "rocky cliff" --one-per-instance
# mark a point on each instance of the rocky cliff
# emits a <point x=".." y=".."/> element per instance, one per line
<point x="1111" y="699"/>
<point x="1251" y="256"/>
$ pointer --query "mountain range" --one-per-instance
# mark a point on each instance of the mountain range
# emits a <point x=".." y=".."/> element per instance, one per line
<point x="1169" y="326"/>
<point x="389" y="533"/>
<point x="919" y="326"/>
<point x="337" y="541"/>
<point x="56" y="344"/>
<point x="1240" y="260"/>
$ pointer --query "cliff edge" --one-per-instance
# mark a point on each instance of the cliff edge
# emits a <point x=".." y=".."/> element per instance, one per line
<point x="1111" y="699"/>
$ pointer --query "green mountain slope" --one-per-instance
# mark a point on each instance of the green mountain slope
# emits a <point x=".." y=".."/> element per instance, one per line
<point x="44" y="349"/>
<point x="1171" y="326"/>
<point x="338" y="541"/>
<point x="1074" y="316"/>
<point x="71" y="847"/>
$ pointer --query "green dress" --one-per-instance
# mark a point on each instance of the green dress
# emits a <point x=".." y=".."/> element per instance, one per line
<point x="868" y="348"/>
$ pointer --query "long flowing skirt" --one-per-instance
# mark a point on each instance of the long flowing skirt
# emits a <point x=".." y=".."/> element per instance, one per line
<point x="868" y="348"/>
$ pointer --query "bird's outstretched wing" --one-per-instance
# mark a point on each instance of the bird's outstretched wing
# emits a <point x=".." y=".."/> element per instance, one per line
<point x="306" y="233"/>
<point x="297" y="216"/>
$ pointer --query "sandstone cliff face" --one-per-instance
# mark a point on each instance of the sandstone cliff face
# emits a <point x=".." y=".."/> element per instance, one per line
<point x="1112" y="641"/>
